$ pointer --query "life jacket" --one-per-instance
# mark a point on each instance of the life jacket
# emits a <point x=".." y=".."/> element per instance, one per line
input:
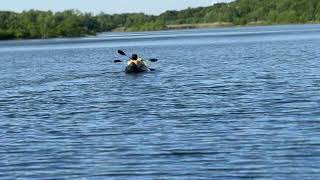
<point x="138" y="62"/>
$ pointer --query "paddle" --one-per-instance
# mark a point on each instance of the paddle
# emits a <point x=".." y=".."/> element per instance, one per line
<point x="124" y="54"/>
<point x="153" y="60"/>
<point x="117" y="61"/>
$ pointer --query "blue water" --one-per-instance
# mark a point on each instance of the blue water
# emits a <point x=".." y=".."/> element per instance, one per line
<point x="225" y="103"/>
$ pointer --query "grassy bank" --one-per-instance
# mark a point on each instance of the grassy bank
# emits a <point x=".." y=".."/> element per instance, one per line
<point x="200" y="25"/>
<point x="72" y="23"/>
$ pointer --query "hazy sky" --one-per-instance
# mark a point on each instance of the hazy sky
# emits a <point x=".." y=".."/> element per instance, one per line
<point x="107" y="6"/>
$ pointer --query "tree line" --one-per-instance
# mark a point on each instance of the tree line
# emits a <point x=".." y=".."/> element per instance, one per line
<point x="73" y="23"/>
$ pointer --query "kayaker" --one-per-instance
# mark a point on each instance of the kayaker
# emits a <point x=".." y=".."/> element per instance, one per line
<point x="136" y="64"/>
<point x="135" y="59"/>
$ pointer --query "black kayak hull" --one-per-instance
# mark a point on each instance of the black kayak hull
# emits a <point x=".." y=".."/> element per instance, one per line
<point x="133" y="68"/>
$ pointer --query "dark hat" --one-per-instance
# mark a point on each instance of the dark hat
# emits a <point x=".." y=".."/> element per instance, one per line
<point x="134" y="57"/>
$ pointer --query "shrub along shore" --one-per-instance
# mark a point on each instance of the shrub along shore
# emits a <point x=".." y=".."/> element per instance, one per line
<point x="72" y="23"/>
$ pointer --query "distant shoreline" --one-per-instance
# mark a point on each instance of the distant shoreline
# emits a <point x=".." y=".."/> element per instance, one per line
<point x="200" y="25"/>
<point x="36" y="24"/>
<point x="173" y="27"/>
<point x="216" y="25"/>
<point x="168" y="27"/>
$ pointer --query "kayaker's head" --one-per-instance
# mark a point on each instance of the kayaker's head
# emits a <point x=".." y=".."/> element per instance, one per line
<point x="134" y="57"/>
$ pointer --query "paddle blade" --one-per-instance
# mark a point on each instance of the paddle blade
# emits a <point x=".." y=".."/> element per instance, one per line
<point x="122" y="53"/>
<point x="153" y="60"/>
<point x="117" y="61"/>
<point x="151" y="69"/>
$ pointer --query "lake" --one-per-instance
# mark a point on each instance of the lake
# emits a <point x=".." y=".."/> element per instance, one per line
<point x="225" y="103"/>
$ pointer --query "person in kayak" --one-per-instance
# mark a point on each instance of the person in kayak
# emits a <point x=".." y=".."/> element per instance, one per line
<point x="136" y="60"/>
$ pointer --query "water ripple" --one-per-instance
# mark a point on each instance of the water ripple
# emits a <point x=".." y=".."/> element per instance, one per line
<point x="229" y="106"/>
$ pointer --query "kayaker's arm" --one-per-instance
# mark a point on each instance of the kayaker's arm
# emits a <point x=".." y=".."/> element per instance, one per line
<point x="130" y="61"/>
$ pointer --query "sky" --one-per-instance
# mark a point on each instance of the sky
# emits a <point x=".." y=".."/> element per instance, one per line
<point x="107" y="6"/>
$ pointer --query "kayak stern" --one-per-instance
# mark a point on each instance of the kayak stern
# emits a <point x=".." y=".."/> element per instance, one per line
<point x="133" y="68"/>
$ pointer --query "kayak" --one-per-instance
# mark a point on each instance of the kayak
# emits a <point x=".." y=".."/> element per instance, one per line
<point x="133" y="68"/>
